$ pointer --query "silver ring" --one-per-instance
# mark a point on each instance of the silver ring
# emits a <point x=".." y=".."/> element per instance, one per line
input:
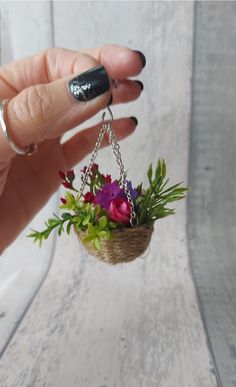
<point x="30" y="150"/>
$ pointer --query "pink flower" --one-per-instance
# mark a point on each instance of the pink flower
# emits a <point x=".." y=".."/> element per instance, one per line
<point x="89" y="197"/>
<point x="63" y="200"/>
<point x="119" y="210"/>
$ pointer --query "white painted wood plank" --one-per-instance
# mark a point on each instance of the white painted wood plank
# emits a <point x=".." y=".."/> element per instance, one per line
<point x="138" y="324"/>
<point x="96" y="325"/>
<point x="212" y="209"/>
<point x="25" y="29"/>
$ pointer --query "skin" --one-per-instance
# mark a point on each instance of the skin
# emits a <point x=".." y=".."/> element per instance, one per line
<point x="40" y="110"/>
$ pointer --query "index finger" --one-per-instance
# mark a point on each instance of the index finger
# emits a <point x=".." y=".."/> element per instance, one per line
<point x="55" y="63"/>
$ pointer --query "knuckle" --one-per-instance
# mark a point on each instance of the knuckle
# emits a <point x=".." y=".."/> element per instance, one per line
<point x="32" y="105"/>
<point x="36" y="102"/>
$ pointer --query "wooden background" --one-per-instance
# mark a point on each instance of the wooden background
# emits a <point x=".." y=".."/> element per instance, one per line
<point x="168" y="320"/>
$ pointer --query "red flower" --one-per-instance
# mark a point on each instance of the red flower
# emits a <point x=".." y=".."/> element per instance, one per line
<point x="62" y="175"/>
<point x="63" y="200"/>
<point x="67" y="180"/>
<point x="66" y="184"/>
<point x="119" y="210"/>
<point x="94" y="167"/>
<point x="89" y="197"/>
<point x="84" y="169"/>
<point x="107" y="178"/>
<point x="70" y="175"/>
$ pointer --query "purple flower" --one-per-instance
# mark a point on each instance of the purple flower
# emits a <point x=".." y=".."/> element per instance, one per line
<point x="132" y="191"/>
<point x="108" y="193"/>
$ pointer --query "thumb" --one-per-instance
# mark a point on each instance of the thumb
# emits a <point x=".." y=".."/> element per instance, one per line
<point x="46" y="111"/>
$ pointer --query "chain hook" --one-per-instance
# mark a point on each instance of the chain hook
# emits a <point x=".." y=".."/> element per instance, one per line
<point x="110" y="114"/>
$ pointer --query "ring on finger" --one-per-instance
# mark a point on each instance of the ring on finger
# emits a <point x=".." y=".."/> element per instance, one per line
<point x="30" y="150"/>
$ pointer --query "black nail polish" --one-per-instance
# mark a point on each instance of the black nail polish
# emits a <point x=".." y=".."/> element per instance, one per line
<point x="90" y="84"/>
<point x="140" y="84"/>
<point x="142" y="57"/>
<point x="134" y="120"/>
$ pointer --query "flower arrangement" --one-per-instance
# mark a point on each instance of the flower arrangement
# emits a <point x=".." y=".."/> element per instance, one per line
<point x="112" y="219"/>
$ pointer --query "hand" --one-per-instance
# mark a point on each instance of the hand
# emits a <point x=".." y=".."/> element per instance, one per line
<point x="40" y="110"/>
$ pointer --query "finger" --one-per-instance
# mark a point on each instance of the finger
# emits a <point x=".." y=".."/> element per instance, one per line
<point x="56" y="63"/>
<point x="126" y="91"/>
<point x="121" y="62"/>
<point x="83" y="142"/>
<point x="46" y="111"/>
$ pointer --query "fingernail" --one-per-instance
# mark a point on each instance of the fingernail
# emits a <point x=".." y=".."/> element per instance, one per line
<point x="134" y="119"/>
<point x="90" y="84"/>
<point x="140" y="84"/>
<point x="142" y="57"/>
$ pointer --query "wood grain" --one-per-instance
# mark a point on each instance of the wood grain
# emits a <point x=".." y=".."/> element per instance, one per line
<point x="20" y="23"/>
<point x="212" y="209"/>
<point x="137" y="325"/>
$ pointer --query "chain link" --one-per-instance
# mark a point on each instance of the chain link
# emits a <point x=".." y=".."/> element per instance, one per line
<point x="107" y="128"/>
<point x="93" y="157"/>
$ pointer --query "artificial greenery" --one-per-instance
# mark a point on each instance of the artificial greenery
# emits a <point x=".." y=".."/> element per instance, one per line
<point x="95" y="220"/>
<point x="151" y="203"/>
<point x="90" y="219"/>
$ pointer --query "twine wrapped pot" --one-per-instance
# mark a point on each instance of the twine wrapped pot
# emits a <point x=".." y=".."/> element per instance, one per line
<point x="126" y="245"/>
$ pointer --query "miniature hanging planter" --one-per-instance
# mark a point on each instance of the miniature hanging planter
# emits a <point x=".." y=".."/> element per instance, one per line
<point x="113" y="220"/>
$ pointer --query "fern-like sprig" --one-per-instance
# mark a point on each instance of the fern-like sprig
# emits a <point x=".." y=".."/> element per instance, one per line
<point x="153" y="201"/>
<point x="86" y="217"/>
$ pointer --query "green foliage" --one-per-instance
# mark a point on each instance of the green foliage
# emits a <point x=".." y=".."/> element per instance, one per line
<point x="93" y="220"/>
<point x="99" y="231"/>
<point x="153" y="201"/>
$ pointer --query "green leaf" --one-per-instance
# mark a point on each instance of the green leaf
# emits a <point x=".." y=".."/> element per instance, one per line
<point x="149" y="173"/>
<point x="77" y="219"/>
<point x="51" y="222"/>
<point x="70" y="197"/>
<point x="163" y="168"/>
<point x="103" y="222"/>
<point x="158" y="170"/>
<point x="97" y="244"/>
<point x="171" y="188"/>
<point x="103" y="234"/>
<point x="139" y="189"/>
<point x="87" y="238"/>
<point x="66" y="215"/>
<point x="97" y="209"/>
<point x="68" y="227"/>
<point x="79" y="204"/>
<point x="113" y="225"/>
<point x="61" y="229"/>
<point x="86" y="220"/>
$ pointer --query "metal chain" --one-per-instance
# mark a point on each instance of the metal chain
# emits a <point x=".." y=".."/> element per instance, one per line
<point x="93" y="157"/>
<point x="120" y="165"/>
<point x="107" y="127"/>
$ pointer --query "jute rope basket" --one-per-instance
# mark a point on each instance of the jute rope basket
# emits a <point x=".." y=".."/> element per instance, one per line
<point x="126" y="245"/>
